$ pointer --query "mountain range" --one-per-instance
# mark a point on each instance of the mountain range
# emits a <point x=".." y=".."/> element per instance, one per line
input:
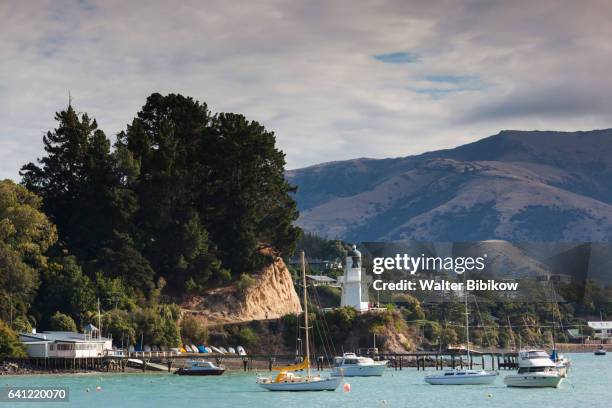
<point x="520" y="186"/>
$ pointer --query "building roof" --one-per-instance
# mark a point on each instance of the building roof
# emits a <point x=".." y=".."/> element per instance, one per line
<point x="90" y="328"/>
<point x="320" y="278"/>
<point x="63" y="336"/>
<point x="575" y="333"/>
<point x="600" y="325"/>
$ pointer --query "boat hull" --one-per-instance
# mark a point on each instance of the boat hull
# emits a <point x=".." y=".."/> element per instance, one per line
<point x="184" y="371"/>
<point x="531" y="380"/>
<point x="374" y="370"/>
<point x="326" y="384"/>
<point x="477" y="379"/>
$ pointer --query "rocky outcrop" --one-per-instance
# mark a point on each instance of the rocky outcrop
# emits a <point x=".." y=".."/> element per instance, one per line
<point x="271" y="296"/>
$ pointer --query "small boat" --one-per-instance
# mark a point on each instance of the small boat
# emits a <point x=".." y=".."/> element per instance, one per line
<point x="201" y="367"/>
<point x="352" y="365"/>
<point x="241" y="351"/>
<point x="287" y="380"/>
<point x="202" y="349"/>
<point x="223" y="350"/>
<point x="216" y="350"/>
<point x="231" y="350"/>
<point x="601" y="351"/>
<point x="536" y="370"/>
<point x="462" y="377"/>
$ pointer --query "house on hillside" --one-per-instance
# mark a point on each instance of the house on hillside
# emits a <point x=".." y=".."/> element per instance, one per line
<point x="62" y="344"/>
<point x="603" y="330"/>
<point x="321" y="280"/>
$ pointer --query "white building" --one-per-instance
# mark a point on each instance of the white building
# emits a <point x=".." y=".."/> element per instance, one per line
<point x="603" y="330"/>
<point x="62" y="344"/>
<point x="351" y="283"/>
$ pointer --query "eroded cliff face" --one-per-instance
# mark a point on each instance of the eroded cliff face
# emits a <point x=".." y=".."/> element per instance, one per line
<point x="270" y="297"/>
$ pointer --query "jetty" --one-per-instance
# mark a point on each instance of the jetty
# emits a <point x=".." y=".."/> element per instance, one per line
<point x="167" y="361"/>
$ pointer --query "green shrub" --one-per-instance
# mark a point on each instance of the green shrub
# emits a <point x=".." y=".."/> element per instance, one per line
<point x="247" y="337"/>
<point x="62" y="322"/>
<point x="10" y="346"/>
<point x="193" y="332"/>
<point x="119" y="324"/>
<point x="245" y="282"/>
<point x="21" y="324"/>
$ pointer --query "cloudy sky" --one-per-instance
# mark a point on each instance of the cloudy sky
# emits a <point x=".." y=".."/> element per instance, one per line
<point x="334" y="79"/>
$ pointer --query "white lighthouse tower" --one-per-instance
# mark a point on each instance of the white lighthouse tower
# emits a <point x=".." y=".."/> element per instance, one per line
<point x="351" y="282"/>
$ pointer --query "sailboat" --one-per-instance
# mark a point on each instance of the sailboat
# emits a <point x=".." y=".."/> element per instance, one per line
<point x="287" y="380"/>
<point x="463" y="376"/>
<point x="562" y="363"/>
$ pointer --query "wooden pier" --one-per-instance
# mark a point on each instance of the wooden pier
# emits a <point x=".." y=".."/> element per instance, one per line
<point x="167" y="361"/>
<point x="420" y="360"/>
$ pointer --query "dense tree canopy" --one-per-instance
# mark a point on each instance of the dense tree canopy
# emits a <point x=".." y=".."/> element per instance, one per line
<point x="25" y="236"/>
<point x="183" y="199"/>
<point x="185" y="194"/>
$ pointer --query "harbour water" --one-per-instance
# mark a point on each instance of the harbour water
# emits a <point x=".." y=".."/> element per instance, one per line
<point x="588" y="385"/>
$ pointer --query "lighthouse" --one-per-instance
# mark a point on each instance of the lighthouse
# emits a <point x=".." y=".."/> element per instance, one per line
<point x="351" y="282"/>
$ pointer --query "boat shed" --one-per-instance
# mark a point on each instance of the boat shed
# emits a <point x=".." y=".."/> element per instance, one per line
<point x="62" y="344"/>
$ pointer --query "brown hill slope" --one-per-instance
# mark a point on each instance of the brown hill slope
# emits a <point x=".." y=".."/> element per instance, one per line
<point x="271" y="296"/>
<point x="516" y="186"/>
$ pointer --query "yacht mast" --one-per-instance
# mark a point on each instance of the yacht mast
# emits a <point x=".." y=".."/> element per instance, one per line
<point x="467" y="321"/>
<point x="306" y="312"/>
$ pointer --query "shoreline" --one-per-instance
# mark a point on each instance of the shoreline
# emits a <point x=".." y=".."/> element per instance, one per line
<point x="231" y="367"/>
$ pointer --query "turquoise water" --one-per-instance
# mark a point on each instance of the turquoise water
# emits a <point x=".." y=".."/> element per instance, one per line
<point x="589" y="384"/>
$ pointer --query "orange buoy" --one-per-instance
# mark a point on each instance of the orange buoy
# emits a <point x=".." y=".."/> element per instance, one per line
<point x="346" y="387"/>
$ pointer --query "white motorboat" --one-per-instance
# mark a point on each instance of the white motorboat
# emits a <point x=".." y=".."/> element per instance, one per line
<point x="536" y="370"/>
<point x="287" y="380"/>
<point x="352" y="365"/>
<point x="201" y="367"/>
<point x="601" y="351"/>
<point x="462" y="377"/>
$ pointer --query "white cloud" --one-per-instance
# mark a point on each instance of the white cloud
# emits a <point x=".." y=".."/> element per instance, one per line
<point x="307" y="70"/>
